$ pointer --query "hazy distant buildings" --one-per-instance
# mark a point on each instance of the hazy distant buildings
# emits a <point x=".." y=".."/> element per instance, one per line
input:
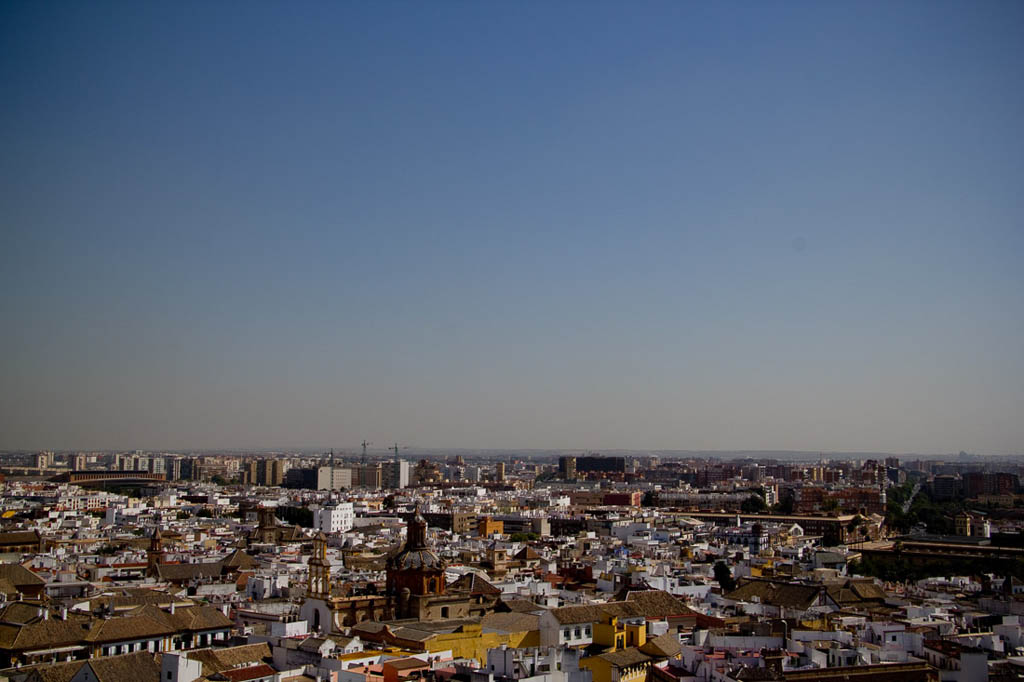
<point x="368" y="476"/>
<point x="301" y="478"/>
<point x="499" y="472"/>
<point x="598" y="464"/>
<point x="945" y="487"/>
<point x="567" y="468"/>
<point x="396" y="474"/>
<point x="986" y="483"/>
<point x="333" y="478"/>
<point x="268" y="472"/>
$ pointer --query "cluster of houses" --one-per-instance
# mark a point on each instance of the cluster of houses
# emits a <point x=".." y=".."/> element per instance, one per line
<point x="199" y="582"/>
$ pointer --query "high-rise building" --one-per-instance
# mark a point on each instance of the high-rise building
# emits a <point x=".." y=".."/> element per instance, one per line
<point x="268" y="472"/>
<point x="156" y="465"/>
<point x="250" y="473"/>
<point x="596" y="463"/>
<point x="80" y="462"/>
<point x="301" y="478"/>
<point x="333" y="478"/>
<point x="191" y="469"/>
<point x="946" y="486"/>
<point x="274" y="475"/>
<point x="567" y="468"/>
<point x="499" y="472"/>
<point x="368" y="476"/>
<point x="396" y="474"/>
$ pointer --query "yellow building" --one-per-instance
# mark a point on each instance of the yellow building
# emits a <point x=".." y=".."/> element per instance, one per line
<point x="632" y="663"/>
<point x="618" y="633"/>
<point x="464" y="638"/>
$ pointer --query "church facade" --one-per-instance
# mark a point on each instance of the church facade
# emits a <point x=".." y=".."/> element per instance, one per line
<point x="416" y="588"/>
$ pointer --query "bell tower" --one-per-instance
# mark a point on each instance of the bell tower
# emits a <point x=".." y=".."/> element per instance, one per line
<point x="414" y="572"/>
<point x="155" y="553"/>
<point x="319" y="570"/>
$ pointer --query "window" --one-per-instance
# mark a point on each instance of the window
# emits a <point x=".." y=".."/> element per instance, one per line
<point x="577" y="633"/>
<point x="444" y="611"/>
<point x="586" y="631"/>
<point x="567" y="634"/>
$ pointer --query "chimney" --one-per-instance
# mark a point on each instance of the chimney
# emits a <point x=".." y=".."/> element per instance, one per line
<point x="172" y="607"/>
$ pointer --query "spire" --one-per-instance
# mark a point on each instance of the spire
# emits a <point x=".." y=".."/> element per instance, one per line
<point x="416" y="536"/>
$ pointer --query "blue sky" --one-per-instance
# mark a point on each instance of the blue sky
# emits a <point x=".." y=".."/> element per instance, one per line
<point x="513" y="225"/>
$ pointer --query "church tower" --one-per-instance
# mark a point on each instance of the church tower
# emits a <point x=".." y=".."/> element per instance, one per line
<point x="319" y="570"/>
<point x="155" y="553"/>
<point x="414" y="572"/>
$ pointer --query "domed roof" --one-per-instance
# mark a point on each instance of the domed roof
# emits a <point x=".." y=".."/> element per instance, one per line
<point x="415" y="559"/>
<point x="416" y="554"/>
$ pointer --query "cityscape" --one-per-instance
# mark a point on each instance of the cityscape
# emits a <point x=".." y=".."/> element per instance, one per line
<point x="373" y="564"/>
<point x="511" y="341"/>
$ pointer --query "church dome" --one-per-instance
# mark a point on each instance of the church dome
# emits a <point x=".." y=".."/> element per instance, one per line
<point x="415" y="559"/>
<point x="416" y="554"/>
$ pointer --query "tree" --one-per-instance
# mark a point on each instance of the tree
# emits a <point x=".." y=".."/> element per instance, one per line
<point x="753" y="505"/>
<point x="785" y="505"/>
<point x="830" y="538"/>
<point x="218" y="480"/>
<point x="299" y="516"/>
<point x="724" y="577"/>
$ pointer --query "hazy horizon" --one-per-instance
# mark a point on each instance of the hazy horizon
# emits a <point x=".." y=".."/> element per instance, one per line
<point x="785" y="226"/>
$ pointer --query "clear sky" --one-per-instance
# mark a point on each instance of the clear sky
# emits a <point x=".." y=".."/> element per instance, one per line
<point x="513" y="225"/>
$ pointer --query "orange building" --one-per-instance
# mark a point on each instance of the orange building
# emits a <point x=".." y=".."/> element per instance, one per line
<point x="487" y="526"/>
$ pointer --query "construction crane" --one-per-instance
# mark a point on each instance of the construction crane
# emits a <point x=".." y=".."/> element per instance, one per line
<point x="365" y="444"/>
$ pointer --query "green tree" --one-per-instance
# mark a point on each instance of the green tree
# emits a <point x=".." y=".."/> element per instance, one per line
<point x="298" y="516"/>
<point x="753" y="505"/>
<point x="724" y="577"/>
<point x="785" y="505"/>
<point x="830" y="538"/>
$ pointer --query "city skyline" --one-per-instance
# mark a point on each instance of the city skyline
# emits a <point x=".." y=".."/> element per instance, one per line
<point x="791" y="226"/>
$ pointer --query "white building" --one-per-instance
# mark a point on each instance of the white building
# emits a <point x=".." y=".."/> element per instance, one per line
<point x="335" y="519"/>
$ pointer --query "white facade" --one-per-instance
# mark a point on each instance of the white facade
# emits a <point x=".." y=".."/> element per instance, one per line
<point x="336" y="519"/>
